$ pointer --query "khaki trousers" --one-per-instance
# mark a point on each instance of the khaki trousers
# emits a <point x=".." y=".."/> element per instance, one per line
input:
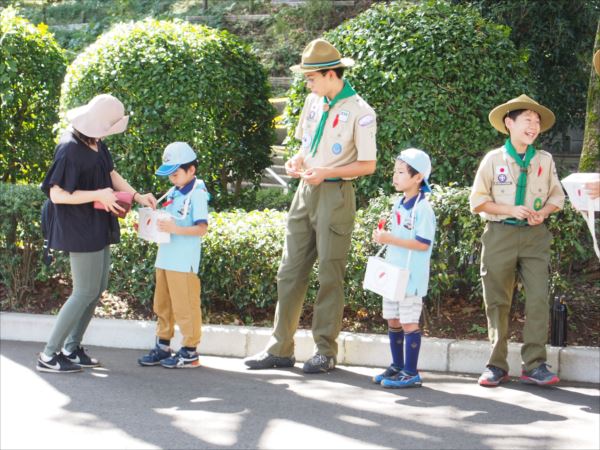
<point x="177" y="300"/>
<point x="508" y="250"/>
<point x="319" y="226"/>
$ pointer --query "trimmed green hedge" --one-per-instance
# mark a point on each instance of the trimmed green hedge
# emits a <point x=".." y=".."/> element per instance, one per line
<point x="180" y="82"/>
<point x="241" y="253"/>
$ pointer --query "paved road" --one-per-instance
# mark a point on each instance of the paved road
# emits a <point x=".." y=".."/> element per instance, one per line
<point x="221" y="405"/>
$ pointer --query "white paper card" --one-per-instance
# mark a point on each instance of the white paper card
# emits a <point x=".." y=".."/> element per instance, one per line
<point x="574" y="184"/>
<point x="148" y="228"/>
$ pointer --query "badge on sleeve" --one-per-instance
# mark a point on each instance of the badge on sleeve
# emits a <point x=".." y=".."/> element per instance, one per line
<point x="366" y="120"/>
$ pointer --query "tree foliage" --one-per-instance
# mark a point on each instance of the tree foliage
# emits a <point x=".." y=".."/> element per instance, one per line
<point x="180" y="82"/>
<point x="590" y="153"/>
<point x="432" y="72"/>
<point x="32" y="67"/>
<point x="559" y="36"/>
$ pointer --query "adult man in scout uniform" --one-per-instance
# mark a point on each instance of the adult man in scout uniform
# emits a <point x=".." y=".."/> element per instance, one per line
<point x="516" y="188"/>
<point x="337" y="131"/>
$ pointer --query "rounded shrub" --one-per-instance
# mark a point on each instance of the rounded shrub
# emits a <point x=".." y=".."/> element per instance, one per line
<point x="180" y="82"/>
<point x="32" y="67"/>
<point x="432" y="72"/>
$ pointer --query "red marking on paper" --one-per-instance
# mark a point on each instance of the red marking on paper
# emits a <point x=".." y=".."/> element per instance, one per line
<point x="578" y="192"/>
<point x="148" y="221"/>
<point x="382" y="274"/>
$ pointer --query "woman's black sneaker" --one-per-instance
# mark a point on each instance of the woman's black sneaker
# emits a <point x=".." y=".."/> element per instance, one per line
<point x="58" y="364"/>
<point x="80" y="357"/>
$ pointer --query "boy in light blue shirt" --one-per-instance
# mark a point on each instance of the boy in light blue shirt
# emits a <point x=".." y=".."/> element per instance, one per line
<point x="410" y="242"/>
<point x="177" y="292"/>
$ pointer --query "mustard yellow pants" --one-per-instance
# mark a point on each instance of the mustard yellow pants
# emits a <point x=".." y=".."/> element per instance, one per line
<point x="177" y="301"/>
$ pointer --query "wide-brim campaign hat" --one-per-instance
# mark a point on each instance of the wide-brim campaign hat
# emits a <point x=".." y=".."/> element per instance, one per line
<point x="318" y="55"/>
<point x="597" y="62"/>
<point x="498" y="114"/>
<point x="102" y="116"/>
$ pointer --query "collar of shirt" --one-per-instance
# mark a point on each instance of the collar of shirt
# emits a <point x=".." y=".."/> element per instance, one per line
<point x="184" y="190"/>
<point x="408" y="204"/>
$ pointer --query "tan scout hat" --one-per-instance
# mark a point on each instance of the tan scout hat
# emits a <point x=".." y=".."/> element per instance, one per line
<point x="497" y="114"/>
<point x="318" y="55"/>
<point x="102" y="116"/>
<point x="597" y="62"/>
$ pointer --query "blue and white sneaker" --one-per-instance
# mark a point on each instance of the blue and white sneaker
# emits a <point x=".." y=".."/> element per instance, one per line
<point x="389" y="373"/>
<point x="155" y="356"/>
<point x="182" y="360"/>
<point x="402" y="380"/>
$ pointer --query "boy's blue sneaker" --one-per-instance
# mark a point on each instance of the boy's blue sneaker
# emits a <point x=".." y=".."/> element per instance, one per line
<point x="540" y="376"/>
<point x="155" y="356"/>
<point x="182" y="360"/>
<point x="402" y="380"/>
<point x="389" y="373"/>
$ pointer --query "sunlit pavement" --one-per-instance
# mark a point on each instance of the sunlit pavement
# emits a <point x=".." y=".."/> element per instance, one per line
<point x="223" y="405"/>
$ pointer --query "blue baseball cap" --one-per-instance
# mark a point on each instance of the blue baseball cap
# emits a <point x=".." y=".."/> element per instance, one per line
<point x="418" y="160"/>
<point x="175" y="154"/>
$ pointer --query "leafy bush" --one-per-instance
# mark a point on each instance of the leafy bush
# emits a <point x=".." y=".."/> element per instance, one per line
<point x="241" y="253"/>
<point x="21" y="242"/>
<point x="31" y="70"/>
<point x="432" y="72"/>
<point x="181" y="82"/>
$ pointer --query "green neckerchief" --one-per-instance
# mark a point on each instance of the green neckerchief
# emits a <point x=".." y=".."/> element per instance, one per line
<point x="347" y="91"/>
<point x="523" y="164"/>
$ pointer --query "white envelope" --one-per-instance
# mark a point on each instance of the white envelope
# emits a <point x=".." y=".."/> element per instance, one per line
<point x="147" y="225"/>
<point x="574" y="184"/>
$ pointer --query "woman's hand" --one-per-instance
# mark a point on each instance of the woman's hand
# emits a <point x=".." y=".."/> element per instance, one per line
<point x="145" y="199"/>
<point x="108" y="199"/>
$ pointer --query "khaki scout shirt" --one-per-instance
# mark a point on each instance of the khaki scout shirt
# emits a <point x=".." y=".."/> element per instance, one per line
<point x="496" y="181"/>
<point x="348" y="136"/>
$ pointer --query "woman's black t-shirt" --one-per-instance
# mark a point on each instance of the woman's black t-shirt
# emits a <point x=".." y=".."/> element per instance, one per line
<point x="80" y="228"/>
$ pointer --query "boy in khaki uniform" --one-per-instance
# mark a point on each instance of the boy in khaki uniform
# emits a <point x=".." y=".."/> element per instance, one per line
<point x="515" y="189"/>
<point x="337" y="131"/>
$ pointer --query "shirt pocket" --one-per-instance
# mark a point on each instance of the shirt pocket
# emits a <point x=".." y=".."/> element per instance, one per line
<point x="504" y="194"/>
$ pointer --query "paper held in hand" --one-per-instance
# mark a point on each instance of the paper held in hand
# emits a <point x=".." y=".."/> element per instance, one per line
<point x="575" y="186"/>
<point x="385" y="279"/>
<point x="148" y="227"/>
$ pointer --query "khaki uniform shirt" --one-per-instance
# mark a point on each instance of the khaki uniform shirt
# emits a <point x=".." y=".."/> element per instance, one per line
<point x="348" y="136"/>
<point x="496" y="181"/>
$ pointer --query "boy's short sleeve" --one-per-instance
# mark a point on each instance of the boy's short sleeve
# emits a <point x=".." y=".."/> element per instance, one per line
<point x="365" y="130"/>
<point x="425" y="224"/>
<point x="481" y="192"/>
<point x="199" y="206"/>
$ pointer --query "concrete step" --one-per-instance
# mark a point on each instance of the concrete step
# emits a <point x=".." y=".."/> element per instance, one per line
<point x="279" y="104"/>
<point x="281" y="134"/>
<point x="279" y="150"/>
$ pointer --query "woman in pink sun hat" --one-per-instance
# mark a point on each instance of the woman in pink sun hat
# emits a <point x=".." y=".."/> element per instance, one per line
<point x="83" y="173"/>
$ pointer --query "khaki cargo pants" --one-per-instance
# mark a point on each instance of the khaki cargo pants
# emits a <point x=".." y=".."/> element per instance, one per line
<point x="508" y="250"/>
<point x="319" y="226"/>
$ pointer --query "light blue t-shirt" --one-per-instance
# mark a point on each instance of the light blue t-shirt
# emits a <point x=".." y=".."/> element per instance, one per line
<point x="182" y="254"/>
<point x="424" y="231"/>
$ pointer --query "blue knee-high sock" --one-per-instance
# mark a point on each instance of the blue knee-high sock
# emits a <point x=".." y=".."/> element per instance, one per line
<point x="397" y="346"/>
<point x="413" y="345"/>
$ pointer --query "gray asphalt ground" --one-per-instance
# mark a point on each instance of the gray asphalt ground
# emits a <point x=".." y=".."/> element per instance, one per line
<point x="222" y="405"/>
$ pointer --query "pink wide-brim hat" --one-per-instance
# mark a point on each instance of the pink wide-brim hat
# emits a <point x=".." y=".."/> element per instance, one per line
<point x="102" y="116"/>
